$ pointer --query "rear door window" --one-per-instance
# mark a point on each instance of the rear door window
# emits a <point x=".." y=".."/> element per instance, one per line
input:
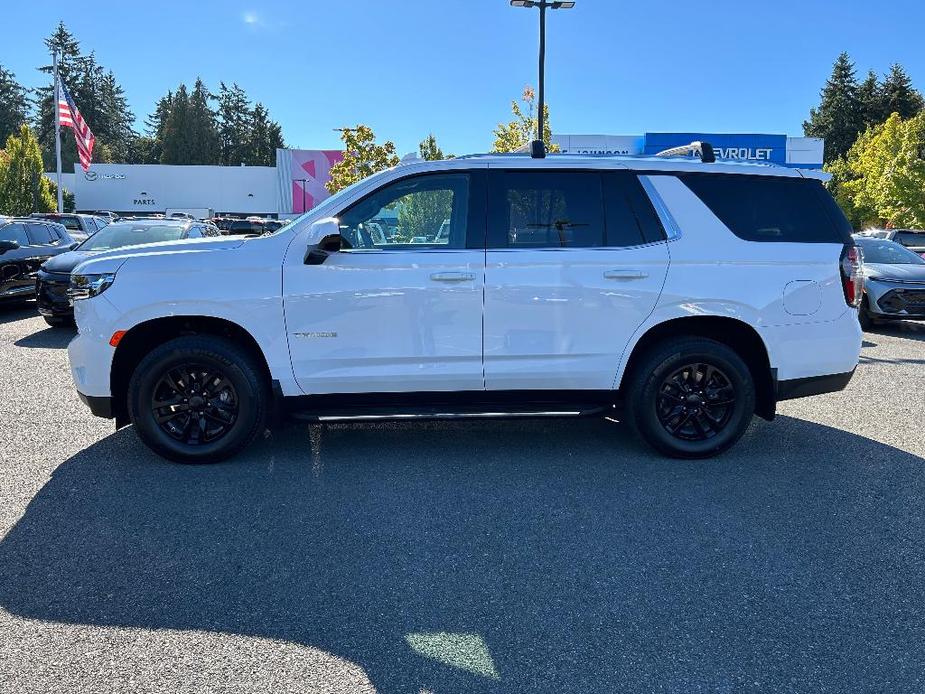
<point x="775" y="209"/>
<point x="546" y="209"/>
<point x="41" y="235"/>
<point x="631" y="219"/>
<point x="910" y="238"/>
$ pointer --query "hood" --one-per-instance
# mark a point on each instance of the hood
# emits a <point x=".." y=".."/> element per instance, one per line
<point x="211" y="243"/>
<point x="911" y="273"/>
<point x="111" y="261"/>
<point x="66" y="262"/>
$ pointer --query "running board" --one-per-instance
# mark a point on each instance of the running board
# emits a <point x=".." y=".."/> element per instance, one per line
<point x="423" y="414"/>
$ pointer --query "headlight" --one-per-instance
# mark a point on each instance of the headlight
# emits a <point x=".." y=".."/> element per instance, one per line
<point x="87" y="286"/>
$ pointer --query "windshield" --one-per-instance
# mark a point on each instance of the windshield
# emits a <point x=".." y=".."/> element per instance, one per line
<point x="122" y="234"/>
<point x="70" y="223"/>
<point x="888" y="253"/>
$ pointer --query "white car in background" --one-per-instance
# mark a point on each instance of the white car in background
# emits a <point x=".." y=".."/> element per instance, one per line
<point x="680" y="296"/>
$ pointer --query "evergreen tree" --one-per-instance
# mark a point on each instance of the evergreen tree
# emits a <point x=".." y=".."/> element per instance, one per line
<point x="203" y="134"/>
<point x="156" y="125"/>
<point x="176" y="145"/>
<point x="897" y="95"/>
<point x="68" y="49"/>
<point x="870" y="99"/>
<point x="234" y="118"/>
<point x="264" y="138"/>
<point x="96" y="92"/>
<point x="23" y="188"/>
<point x="14" y="104"/>
<point x="839" y="117"/>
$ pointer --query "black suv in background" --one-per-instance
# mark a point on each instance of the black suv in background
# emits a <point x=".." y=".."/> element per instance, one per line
<point x="54" y="277"/>
<point x="24" y="245"/>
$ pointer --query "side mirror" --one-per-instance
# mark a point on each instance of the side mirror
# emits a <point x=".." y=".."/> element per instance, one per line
<point x="323" y="239"/>
<point x="8" y="246"/>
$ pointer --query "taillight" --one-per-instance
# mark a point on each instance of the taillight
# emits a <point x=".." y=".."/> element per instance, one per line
<point x="852" y="281"/>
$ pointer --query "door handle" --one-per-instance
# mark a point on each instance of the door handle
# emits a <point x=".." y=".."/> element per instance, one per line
<point x="453" y="276"/>
<point x="625" y="275"/>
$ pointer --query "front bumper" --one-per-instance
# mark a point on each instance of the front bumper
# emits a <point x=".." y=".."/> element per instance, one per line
<point x="51" y="295"/>
<point x="898" y="300"/>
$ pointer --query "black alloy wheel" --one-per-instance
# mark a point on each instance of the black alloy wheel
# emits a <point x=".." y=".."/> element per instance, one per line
<point x="199" y="398"/>
<point x="695" y="402"/>
<point x="195" y="404"/>
<point x="690" y="397"/>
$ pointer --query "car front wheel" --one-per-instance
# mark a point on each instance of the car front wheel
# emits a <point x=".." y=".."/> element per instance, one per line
<point x="198" y="399"/>
<point x="864" y="317"/>
<point x="691" y="398"/>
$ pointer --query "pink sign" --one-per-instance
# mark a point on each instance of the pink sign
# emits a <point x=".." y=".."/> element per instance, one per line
<point x="310" y="171"/>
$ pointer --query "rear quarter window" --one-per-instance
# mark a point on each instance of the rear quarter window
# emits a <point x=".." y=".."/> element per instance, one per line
<point x="771" y="209"/>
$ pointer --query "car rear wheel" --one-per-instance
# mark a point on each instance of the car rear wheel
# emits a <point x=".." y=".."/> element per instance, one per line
<point x="864" y="317"/>
<point x="691" y="398"/>
<point x="198" y="399"/>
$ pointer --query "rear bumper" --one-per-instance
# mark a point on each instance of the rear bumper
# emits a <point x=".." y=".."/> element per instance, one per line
<point x="812" y="385"/>
<point x="99" y="405"/>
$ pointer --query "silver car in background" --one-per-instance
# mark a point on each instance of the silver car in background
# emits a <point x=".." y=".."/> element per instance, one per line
<point x="894" y="282"/>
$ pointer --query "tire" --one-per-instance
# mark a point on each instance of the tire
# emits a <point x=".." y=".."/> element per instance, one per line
<point x="864" y="318"/>
<point x="666" y="379"/>
<point x="59" y="321"/>
<point x="181" y="372"/>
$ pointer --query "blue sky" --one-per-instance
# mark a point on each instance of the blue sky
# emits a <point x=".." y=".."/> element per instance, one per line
<point x="409" y="67"/>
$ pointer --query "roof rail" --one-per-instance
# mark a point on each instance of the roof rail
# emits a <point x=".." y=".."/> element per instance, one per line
<point x="702" y="149"/>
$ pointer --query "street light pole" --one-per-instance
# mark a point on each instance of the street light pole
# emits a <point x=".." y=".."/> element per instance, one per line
<point x="303" y="181"/>
<point x="538" y="146"/>
<point x="542" y="81"/>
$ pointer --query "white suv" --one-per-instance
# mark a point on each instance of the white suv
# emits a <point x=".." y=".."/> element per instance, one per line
<point x="679" y="296"/>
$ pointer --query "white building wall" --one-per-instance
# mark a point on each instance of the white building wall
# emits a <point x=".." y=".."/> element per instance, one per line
<point x="150" y="188"/>
<point x="804" y="150"/>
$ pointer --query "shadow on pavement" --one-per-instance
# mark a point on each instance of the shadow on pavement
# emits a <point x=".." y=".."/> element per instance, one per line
<point x="910" y="330"/>
<point x="16" y="310"/>
<point x="49" y="338"/>
<point x="528" y="556"/>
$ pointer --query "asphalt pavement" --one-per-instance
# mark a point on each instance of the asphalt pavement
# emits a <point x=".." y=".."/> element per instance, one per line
<point x="527" y="556"/>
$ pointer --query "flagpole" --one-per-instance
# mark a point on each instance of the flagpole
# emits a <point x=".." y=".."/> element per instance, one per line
<point x="54" y="57"/>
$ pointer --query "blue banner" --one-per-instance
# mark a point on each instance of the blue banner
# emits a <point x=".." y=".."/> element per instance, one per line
<point x="768" y="148"/>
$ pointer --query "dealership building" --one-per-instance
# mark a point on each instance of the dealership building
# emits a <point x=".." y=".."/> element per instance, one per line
<point x="297" y="182"/>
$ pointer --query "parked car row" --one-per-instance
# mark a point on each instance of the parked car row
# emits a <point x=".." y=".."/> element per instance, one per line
<point x="38" y="255"/>
<point x="913" y="239"/>
<point x="250" y="226"/>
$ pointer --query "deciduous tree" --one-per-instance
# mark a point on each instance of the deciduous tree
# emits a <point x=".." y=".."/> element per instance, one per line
<point x="881" y="180"/>
<point x="362" y="157"/>
<point x="521" y="130"/>
<point x="429" y="150"/>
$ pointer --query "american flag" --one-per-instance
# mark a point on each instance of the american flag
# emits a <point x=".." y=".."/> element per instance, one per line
<point x="69" y="116"/>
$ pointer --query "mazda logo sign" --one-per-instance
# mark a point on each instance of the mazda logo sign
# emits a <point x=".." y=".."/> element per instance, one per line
<point x="90" y="175"/>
